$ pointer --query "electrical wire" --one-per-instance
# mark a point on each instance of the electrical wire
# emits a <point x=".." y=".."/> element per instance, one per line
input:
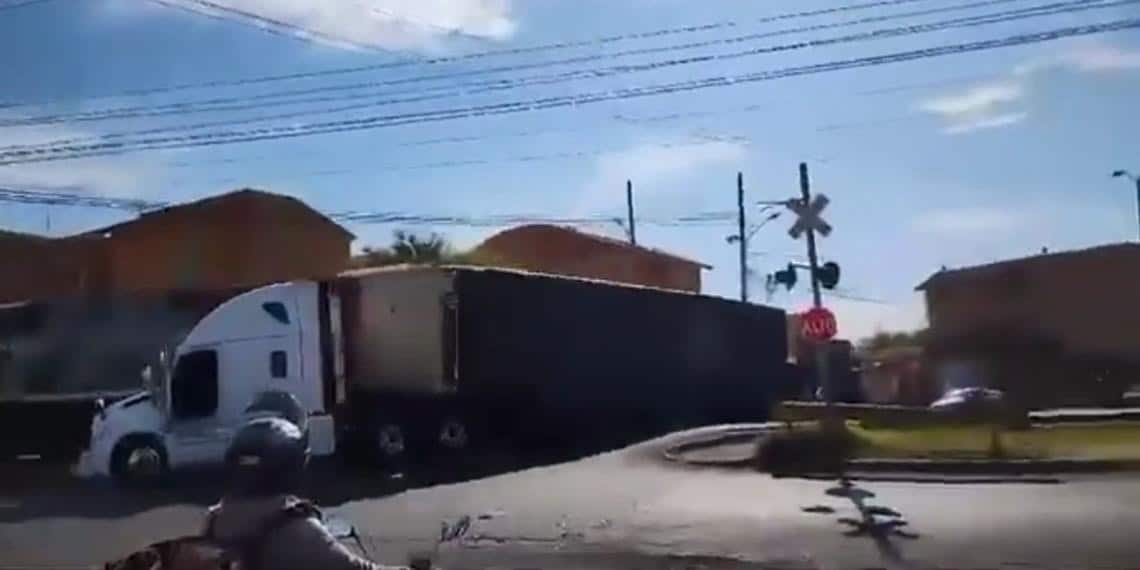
<point x="57" y="198"/>
<point x="1062" y="7"/>
<point x="463" y="139"/>
<point x="66" y="152"/>
<point x="600" y="41"/>
<point x="18" y="4"/>
<point x="529" y="158"/>
<point x="31" y="195"/>
<point x="282" y="98"/>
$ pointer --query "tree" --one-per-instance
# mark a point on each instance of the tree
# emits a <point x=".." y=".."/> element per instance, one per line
<point x="883" y="340"/>
<point x="407" y="247"/>
<point x="411" y="248"/>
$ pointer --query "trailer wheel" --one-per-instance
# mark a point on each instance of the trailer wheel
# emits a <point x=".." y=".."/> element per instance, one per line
<point x="453" y="434"/>
<point x="390" y="441"/>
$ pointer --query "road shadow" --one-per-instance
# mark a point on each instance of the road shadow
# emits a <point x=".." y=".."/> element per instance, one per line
<point x="40" y="489"/>
<point x="883" y="525"/>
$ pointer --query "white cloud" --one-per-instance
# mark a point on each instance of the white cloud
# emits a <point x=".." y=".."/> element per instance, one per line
<point x="969" y="222"/>
<point x="1100" y="57"/>
<point x="653" y="168"/>
<point x="987" y="106"/>
<point x="651" y="164"/>
<point x="977" y="100"/>
<point x="979" y="107"/>
<point x="1085" y="57"/>
<point x="991" y="122"/>
<point x="106" y="176"/>
<point x="417" y="25"/>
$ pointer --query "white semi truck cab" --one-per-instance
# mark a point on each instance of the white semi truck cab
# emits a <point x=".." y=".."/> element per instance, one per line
<point x="199" y="393"/>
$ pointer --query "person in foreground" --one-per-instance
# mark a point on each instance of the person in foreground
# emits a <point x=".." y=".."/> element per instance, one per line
<point x="260" y="514"/>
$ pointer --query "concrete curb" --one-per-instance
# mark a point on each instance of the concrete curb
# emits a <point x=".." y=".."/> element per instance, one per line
<point x="676" y="453"/>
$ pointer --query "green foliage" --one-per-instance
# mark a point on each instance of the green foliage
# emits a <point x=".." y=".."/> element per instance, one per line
<point x="407" y="247"/>
<point x="883" y="340"/>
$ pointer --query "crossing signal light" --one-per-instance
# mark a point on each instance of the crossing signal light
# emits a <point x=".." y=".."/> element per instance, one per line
<point x="828" y="275"/>
<point x="786" y="277"/>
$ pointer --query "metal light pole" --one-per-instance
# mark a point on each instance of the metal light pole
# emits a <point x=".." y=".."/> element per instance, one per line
<point x="743" y="240"/>
<point x="1135" y="180"/>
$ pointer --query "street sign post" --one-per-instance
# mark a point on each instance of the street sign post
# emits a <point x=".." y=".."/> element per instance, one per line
<point x="809" y="220"/>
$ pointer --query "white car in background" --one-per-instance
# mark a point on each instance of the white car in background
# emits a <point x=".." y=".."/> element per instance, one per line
<point x="969" y="399"/>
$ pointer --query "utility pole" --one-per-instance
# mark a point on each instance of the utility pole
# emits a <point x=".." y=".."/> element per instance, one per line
<point x="629" y="210"/>
<point x="743" y="239"/>
<point x="821" y="349"/>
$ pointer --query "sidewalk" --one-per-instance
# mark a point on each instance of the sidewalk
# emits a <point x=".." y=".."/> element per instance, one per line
<point x="735" y="449"/>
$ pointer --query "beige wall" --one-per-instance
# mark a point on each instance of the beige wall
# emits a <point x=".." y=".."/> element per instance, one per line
<point x="395" y="326"/>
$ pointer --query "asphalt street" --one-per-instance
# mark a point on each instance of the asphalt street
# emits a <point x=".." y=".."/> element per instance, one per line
<point x="629" y="509"/>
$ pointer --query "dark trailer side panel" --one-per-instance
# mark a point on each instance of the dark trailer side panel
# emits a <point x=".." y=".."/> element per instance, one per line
<point x="586" y="354"/>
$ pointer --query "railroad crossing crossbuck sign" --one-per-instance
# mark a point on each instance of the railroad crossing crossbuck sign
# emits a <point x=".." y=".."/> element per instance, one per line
<point x="808" y="216"/>
<point x="818" y="324"/>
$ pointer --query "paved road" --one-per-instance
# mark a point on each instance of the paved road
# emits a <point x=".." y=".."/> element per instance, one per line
<point x="630" y="509"/>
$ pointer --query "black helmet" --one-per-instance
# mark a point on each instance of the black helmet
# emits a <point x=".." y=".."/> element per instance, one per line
<point x="267" y="456"/>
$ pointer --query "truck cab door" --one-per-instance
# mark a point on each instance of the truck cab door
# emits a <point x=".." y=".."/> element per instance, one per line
<point x="195" y="432"/>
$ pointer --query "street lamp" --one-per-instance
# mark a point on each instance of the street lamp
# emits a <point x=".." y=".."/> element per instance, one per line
<point x="1135" y="180"/>
<point x="746" y="237"/>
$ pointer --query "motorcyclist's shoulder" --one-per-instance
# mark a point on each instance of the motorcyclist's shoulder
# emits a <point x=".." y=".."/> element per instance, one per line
<point x="235" y="518"/>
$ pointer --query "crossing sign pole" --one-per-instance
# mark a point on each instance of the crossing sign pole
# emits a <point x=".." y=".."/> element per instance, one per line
<point x="808" y="222"/>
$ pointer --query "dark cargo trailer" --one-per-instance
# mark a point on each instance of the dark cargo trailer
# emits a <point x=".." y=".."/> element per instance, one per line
<point x="551" y="359"/>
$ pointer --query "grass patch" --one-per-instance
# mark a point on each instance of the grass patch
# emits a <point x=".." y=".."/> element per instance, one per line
<point x="1120" y="440"/>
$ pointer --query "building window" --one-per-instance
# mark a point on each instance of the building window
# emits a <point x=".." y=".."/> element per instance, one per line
<point x="278" y="364"/>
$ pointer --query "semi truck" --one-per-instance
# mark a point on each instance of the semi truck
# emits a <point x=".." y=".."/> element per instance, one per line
<point x="405" y="360"/>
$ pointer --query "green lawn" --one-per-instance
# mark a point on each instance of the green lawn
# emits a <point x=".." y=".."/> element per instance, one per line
<point x="1109" y="440"/>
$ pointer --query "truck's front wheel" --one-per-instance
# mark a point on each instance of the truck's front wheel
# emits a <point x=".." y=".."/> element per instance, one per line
<point x="138" y="461"/>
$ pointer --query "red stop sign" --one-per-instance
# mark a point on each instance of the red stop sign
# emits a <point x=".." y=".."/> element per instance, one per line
<point x="818" y="324"/>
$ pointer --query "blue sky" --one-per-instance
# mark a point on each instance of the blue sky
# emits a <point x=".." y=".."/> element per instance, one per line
<point x="948" y="161"/>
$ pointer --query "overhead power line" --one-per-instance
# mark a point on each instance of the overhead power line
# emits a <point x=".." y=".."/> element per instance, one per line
<point x="290" y="97"/>
<point x="526" y="158"/>
<point x="21" y="4"/>
<point x="65" y="152"/>
<point x="578" y="127"/>
<point x="1049" y="9"/>
<point x="599" y="41"/>
<point x="58" y="198"/>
